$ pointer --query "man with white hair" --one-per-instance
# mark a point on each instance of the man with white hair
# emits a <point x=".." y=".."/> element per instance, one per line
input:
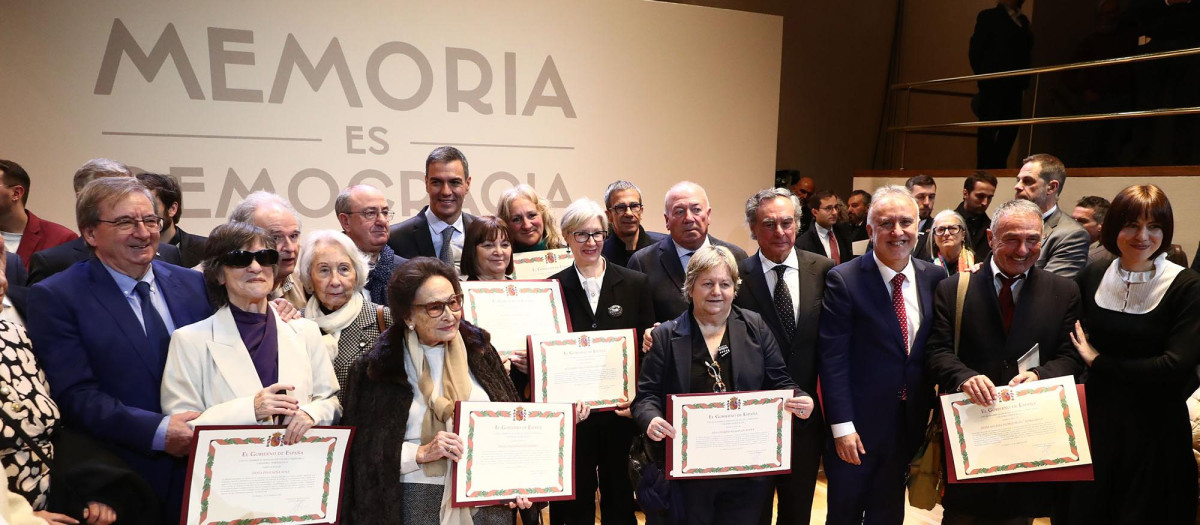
<point x="279" y="219"/>
<point x="364" y="214"/>
<point x="876" y="318"/>
<point x="687" y="214"/>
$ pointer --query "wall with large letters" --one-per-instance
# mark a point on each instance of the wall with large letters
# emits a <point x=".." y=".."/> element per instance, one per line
<point x="304" y="98"/>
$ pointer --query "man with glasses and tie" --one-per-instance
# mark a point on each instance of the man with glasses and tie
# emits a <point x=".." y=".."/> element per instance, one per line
<point x="364" y="215"/>
<point x="876" y="318"/>
<point x="1010" y="308"/>
<point x="826" y="237"/>
<point x="623" y="201"/>
<point x="101" y="329"/>
<point x="784" y="285"/>
<point x="438" y="229"/>
<point x="687" y="214"/>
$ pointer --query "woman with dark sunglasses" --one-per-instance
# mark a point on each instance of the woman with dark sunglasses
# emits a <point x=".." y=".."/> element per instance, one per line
<point x="728" y="349"/>
<point x="244" y="365"/>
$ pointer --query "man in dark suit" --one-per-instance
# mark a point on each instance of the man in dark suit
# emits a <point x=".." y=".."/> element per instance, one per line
<point x="826" y="237"/>
<point x="363" y="212"/>
<point x="1002" y="42"/>
<point x="49" y="262"/>
<point x="15" y="293"/>
<point x="978" y="190"/>
<point x="924" y="190"/>
<point x="792" y="311"/>
<point x="1064" y="241"/>
<point x="687" y="214"/>
<point x="623" y="201"/>
<point x="101" y="329"/>
<point x="856" y="208"/>
<point x="447" y="181"/>
<point x="1009" y="308"/>
<point x="170" y="200"/>
<point x="876" y="318"/>
<point x="33" y="232"/>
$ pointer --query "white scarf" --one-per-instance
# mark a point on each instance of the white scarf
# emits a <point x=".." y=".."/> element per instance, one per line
<point x="332" y="324"/>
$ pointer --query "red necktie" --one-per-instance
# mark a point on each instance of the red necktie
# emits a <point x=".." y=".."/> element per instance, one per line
<point x="1007" y="306"/>
<point x="834" y="253"/>
<point x="898" y="306"/>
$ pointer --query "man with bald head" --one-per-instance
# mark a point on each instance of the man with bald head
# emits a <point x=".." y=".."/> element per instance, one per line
<point x="364" y="215"/>
<point x="871" y="348"/>
<point x="687" y="215"/>
<point x="277" y="217"/>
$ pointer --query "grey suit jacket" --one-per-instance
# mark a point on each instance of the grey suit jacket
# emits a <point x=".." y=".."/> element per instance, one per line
<point x="660" y="262"/>
<point x="1064" y="246"/>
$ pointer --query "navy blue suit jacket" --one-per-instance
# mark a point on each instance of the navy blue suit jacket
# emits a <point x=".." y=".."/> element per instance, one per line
<point x="102" y="371"/>
<point x="861" y="354"/>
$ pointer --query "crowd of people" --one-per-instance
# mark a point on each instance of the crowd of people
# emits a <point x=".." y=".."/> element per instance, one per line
<point x="118" y="341"/>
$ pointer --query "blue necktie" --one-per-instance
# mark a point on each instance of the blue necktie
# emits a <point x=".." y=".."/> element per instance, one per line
<point x="156" y="331"/>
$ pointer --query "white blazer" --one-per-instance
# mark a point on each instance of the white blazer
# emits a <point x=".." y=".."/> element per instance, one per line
<point x="209" y="370"/>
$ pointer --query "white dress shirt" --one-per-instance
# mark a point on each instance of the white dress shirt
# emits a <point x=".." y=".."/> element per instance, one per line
<point x="436" y="226"/>
<point x="823" y="236"/>
<point x="1017" y="285"/>
<point x="791" y="276"/>
<point x="591" y="286"/>
<point x="685" y="254"/>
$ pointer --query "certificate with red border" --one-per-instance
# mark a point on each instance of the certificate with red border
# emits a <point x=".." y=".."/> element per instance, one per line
<point x="1033" y="426"/>
<point x="245" y="475"/>
<point x="729" y="435"/>
<point x="598" y="369"/>
<point x="513" y="310"/>
<point x="541" y="264"/>
<point x="514" y="449"/>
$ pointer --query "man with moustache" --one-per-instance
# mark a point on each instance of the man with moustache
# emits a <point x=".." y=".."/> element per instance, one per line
<point x="277" y="217"/>
<point x="978" y="190"/>
<point x="687" y="214"/>
<point x="876" y="319"/>
<point x="623" y="202"/>
<point x="856" y="207"/>
<point x="1064" y="241"/>
<point x="438" y="229"/>
<point x="784" y="285"/>
<point x="924" y="190"/>
<point x="1010" y="307"/>
<point x="102" y="328"/>
<point x="364" y="214"/>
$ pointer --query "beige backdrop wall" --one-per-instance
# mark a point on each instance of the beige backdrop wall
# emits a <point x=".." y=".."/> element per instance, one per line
<point x="307" y="97"/>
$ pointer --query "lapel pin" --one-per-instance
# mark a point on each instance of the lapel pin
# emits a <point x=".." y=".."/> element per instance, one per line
<point x="615" y="310"/>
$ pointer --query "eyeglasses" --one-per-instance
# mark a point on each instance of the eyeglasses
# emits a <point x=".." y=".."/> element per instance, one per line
<point x="370" y="214"/>
<point x="830" y="208"/>
<point x="582" y="237"/>
<point x="126" y="224"/>
<point x="243" y="258"/>
<point x="437" y="308"/>
<point x="631" y="208"/>
<point x="947" y="230"/>
<point x="714" y="371"/>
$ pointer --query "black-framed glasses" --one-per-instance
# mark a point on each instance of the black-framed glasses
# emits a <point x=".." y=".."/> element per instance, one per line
<point x="630" y="208"/>
<point x="714" y="371"/>
<point x="243" y="258"/>
<point x="126" y="224"/>
<point x="437" y="308"/>
<point x="582" y="237"/>
<point x="950" y="229"/>
<point x="370" y="214"/>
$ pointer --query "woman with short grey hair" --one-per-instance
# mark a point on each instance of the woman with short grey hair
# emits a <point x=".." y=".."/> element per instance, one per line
<point x="950" y="241"/>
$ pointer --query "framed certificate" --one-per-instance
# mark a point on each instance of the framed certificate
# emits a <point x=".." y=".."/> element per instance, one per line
<point x="730" y="434"/>
<point x="245" y="474"/>
<point x="1033" y="426"/>
<point x="541" y="264"/>
<point x="597" y="368"/>
<point x="514" y="449"/>
<point x="513" y="310"/>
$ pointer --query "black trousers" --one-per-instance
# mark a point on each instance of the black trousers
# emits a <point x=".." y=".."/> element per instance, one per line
<point x="729" y="500"/>
<point x="993" y="144"/>
<point x="795" y="490"/>
<point x="601" y="461"/>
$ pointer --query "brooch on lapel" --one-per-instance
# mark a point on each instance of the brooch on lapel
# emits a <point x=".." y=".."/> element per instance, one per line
<point x="615" y="310"/>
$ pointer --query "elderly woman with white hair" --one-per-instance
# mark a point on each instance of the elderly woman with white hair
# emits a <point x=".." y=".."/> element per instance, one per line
<point x="600" y="296"/>
<point x="725" y="349"/>
<point x="334" y="272"/>
<point x="950" y="249"/>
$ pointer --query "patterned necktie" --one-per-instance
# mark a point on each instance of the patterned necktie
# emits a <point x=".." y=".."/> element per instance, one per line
<point x="1007" y="305"/>
<point x="783" y="303"/>
<point x="447" y="252"/>
<point x="834" y="252"/>
<point x="156" y="331"/>
<point x="898" y="306"/>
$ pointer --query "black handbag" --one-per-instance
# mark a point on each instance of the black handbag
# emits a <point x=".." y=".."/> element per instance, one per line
<point x="648" y="475"/>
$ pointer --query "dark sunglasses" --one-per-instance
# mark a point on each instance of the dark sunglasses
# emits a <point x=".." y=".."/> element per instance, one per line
<point x="242" y="258"/>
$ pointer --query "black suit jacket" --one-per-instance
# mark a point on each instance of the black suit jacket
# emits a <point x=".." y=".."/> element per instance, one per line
<point x="50" y="261"/>
<point x="925" y="244"/>
<point x="800" y="353"/>
<point x="614" y="248"/>
<point x="660" y="263"/>
<point x="1045" y="313"/>
<point x="810" y="242"/>
<point x="667" y="368"/>
<point x="999" y="44"/>
<point x="191" y="247"/>
<point x="16" y="275"/>
<point x="623" y="302"/>
<point x="411" y="238"/>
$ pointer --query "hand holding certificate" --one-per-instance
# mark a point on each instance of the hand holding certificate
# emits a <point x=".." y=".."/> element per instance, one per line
<point x="248" y="473"/>
<point x="729" y="434"/>
<point x="598" y="369"/>
<point x="514" y="449"/>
